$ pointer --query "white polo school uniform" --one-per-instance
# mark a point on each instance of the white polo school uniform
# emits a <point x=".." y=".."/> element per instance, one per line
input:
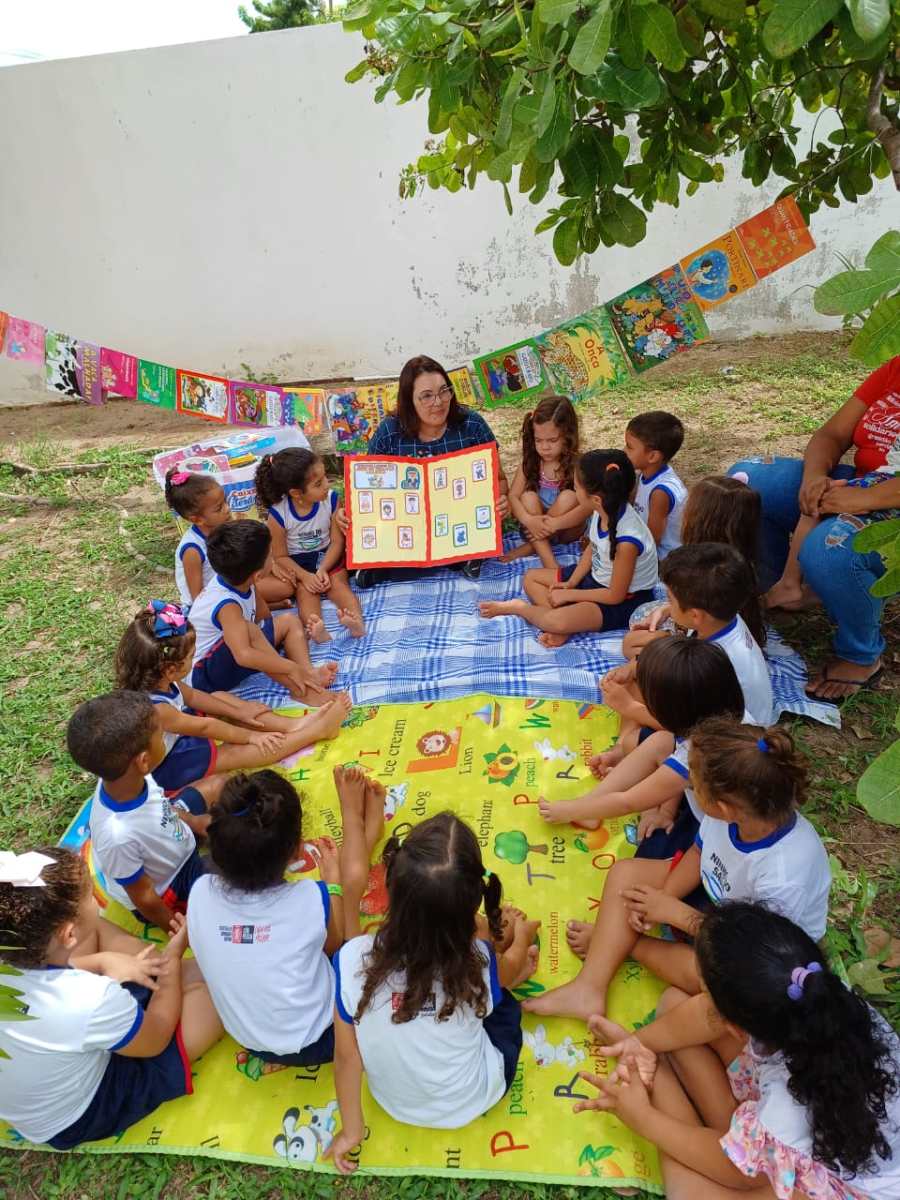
<point x="751" y="668"/>
<point x="307" y="534"/>
<point x="206" y="609"/>
<point x="630" y="528"/>
<point x="192" y="540"/>
<point x="668" y="482"/>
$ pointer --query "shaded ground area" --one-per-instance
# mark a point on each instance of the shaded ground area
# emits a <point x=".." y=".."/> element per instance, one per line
<point x="74" y="570"/>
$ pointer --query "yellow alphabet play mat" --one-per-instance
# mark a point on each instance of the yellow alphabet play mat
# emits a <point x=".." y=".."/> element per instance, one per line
<point x="489" y="760"/>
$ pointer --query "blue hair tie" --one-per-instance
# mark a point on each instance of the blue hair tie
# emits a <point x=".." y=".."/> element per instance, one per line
<point x="763" y="745"/>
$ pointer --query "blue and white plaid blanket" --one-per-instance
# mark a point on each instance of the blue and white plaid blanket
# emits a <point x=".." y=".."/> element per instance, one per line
<point x="425" y="641"/>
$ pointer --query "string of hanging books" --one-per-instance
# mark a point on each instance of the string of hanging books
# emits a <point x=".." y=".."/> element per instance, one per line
<point x="582" y="358"/>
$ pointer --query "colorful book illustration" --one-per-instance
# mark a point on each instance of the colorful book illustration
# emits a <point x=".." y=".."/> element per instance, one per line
<point x="25" y="340"/>
<point x="420" y="512"/>
<point x="657" y="318"/>
<point x="775" y="237"/>
<point x="376" y="399"/>
<point x="88" y="372"/>
<point x="351" y="427"/>
<point x="255" y="404"/>
<point x="464" y="387"/>
<point x="203" y="396"/>
<point x="719" y="271"/>
<point x="156" y="384"/>
<point x="61" y="364"/>
<point x="4" y="325"/>
<point x="118" y="371"/>
<point x="582" y="357"/>
<point x="511" y="374"/>
<point x="307" y="409"/>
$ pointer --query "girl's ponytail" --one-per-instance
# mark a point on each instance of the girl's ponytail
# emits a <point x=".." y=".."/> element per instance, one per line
<point x="609" y="475"/>
<point x="492" y="893"/>
<point x="267" y="492"/>
<point x="759" y="768"/>
<point x="277" y="474"/>
<point x="184" y="492"/>
<point x="769" y="978"/>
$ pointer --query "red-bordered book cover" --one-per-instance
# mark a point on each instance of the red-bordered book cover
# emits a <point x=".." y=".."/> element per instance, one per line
<point x="422" y="512"/>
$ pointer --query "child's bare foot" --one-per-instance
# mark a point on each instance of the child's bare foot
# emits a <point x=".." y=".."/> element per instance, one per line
<point x="352" y="621"/>
<point x="562" y="812"/>
<point x="578" y="936"/>
<point x="325" y="673"/>
<point x="501" y="608"/>
<point x="576" y="999"/>
<point x="786" y="593"/>
<point x="509" y="914"/>
<point x="602" y="764"/>
<point x="315" y="629"/>
<point x="552" y="641"/>
<point x="523" y="551"/>
<point x="374" y="812"/>
<point x="531" y="965"/>
<point x="325" y="722"/>
<point x="350" y="783"/>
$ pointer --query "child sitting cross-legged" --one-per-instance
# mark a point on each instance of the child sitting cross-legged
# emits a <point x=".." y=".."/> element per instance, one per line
<point x="236" y="635"/>
<point x="112" y="1025"/>
<point x="155" y="655"/>
<point x="274" y="986"/>
<point x="799" y="1099"/>
<point x="146" y="853"/>
<point x="752" y="845"/>
<point x="423" y="1007"/>
<point x="652" y="440"/>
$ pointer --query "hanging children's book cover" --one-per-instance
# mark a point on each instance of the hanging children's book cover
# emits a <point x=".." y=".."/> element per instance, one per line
<point x="657" y="319"/>
<point x="775" y="237"/>
<point x="203" y="396"/>
<point x="118" y="372"/>
<point x="464" y="387"/>
<point x="88" y="372"/>
<point x="719" y="271"/>
<point x="350" y="426"/>
<point x="307" y="409"/>
<point x="417" y="512"/>
<point x="61" y="364"/>
<point x="25" y="340"/>
<point x="376" y="399"/>
<point x="582" y="357"/>
<point x="156" y="384"/>
<point x="512" y="374"/>
<point x="4" y="324"/>
<point x="255" y="404"/>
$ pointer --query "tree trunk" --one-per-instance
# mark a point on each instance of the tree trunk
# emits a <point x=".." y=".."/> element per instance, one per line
<point x="883" y="128"/>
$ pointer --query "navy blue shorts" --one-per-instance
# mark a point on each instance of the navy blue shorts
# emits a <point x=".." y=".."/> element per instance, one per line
<point x="615" y="616"/>
<point x="308" y="561"/>
<point x="131" y="1089"/>
<point x="219" y="672"/>
<point x="176" y="894"/>
<point x="319" y="1051"/>
<point x="504" y="1028"/>
<point x="191" y="800"/>
<point x="190" y="759"/>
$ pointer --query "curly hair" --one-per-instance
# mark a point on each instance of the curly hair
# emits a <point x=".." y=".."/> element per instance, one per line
<point x="722" y="509"/>
<point x="141" y="657"/>
<point x="186" y="497"/>
<point x="746" y="955"/>
<point x="255" y="829"/>
<point x="436" y="882"/>
<point x="30" y="916"/>
<point x="609" y="475"/>
<point x="277" y="474"/>
<point x="561" y="412"/>
<point x="728" y="762"/>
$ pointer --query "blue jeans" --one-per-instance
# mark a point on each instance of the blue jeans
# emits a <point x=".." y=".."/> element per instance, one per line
<point x="839" y="575"/>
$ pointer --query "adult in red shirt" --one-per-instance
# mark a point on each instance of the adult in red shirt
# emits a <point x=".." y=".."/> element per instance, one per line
<point x="839" y="576"/>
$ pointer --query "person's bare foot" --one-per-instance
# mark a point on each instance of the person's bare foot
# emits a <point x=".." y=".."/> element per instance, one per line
<point x="578" y="937"/>
<point x="325" y="722"/>
<point x="564" y="812"/>
<point x="374" y="812"/>
<point x="501" y="608"/>
<point x="316" y="631"/>
<point x="552" y="641"/>
<point x="325" y="673"/>
<point x="350" y="784"/>
<point x="524" y="551"/>
<point x="531" y="965"/>
<point x="575" y="999"/>
<point x="786" y="593"/>
<point x="352" y="621"/>
<point x="601" y="764"/>
<point x="509" y="914"/>
<point x="839" y="679"/>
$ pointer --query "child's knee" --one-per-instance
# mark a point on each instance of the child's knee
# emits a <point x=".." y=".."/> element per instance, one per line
<point x="671" y="998"/>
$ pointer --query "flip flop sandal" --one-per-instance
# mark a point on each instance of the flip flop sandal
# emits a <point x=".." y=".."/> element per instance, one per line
<point x="857" y="684"/>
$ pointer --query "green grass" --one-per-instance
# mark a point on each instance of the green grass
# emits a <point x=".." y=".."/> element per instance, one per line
<point x="69" y="582"/>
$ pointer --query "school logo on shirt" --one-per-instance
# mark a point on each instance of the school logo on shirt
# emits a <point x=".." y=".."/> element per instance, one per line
<point x="715" y="881"/>
<point x="428" y="1009"/>
<point x="245" y="935"/>
<point x="171" y="823"/>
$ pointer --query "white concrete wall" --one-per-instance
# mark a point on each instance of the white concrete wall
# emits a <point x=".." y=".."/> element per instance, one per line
<point x="235" y="201"/>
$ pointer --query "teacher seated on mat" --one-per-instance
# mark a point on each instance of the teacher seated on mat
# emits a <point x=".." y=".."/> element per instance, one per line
<point x="837" y="574"/>
<point x="429" y="420"/>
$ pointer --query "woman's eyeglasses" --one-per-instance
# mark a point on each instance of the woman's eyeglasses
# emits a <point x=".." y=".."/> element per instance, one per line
<point x="439" y="397"/>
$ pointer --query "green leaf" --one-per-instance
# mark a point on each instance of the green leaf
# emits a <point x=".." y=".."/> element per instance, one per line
<point x="724" y="10"/>
<point x="853" y="291"/>
<point x="885" y="254"/>
<point x="793" y="23"/>
<point x="565" y="241"/>
<point x="357" y="72"/>
<point x="510" y="96"/>
<point x="547" y="106"/>
<point x="870" y="17"/>
<point x="878" y="790"/>
<point x="592" y="41"/>
<point x="879" y="338"/>
<point x="888" y="585"/>
<point x="876" y="535"/>
<point x="660" y="35"/>
<point x="579" y="164"/>
<point x="611" y="166"/>
<point x="868" y="977"/>
<point x="626" y="222"/>
<point x="543" y="179"/>
<point x="628" y="36"/>
<point x="631" y="89"/>
<point x="501" y="166"/>
<point x="555" y="12"/>
<point x="555" y="136"/>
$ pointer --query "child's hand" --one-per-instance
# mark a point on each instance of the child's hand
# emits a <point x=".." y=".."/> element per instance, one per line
<point x="625" y="1096"/>
<point x="268" y="742"/>
<point x="615" y="695"/>
<point x="653" y="819"/>
<point x="561" y="593"/>
<point x="310" y="582"/>
<point x="284" y="571"/>
<point x="251" y="713"/>
<point x="141" y="968"/>
<point x="648" y="906"/>
<point x="340" y="1148"/>
<point x="178" y="936"/>
<point x="622" y="675"/>
<point x="658" y="617"/>
<point x="329" y="861"/>
<point x="621" y="1044"/>
<point x="526" y="930"/>
<point x="324" y="579"/>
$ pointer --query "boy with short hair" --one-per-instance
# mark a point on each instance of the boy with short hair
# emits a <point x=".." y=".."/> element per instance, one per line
<point x="145" y="851"/>
<point x="236" y="633"/>
<point x="652" y="439"/>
